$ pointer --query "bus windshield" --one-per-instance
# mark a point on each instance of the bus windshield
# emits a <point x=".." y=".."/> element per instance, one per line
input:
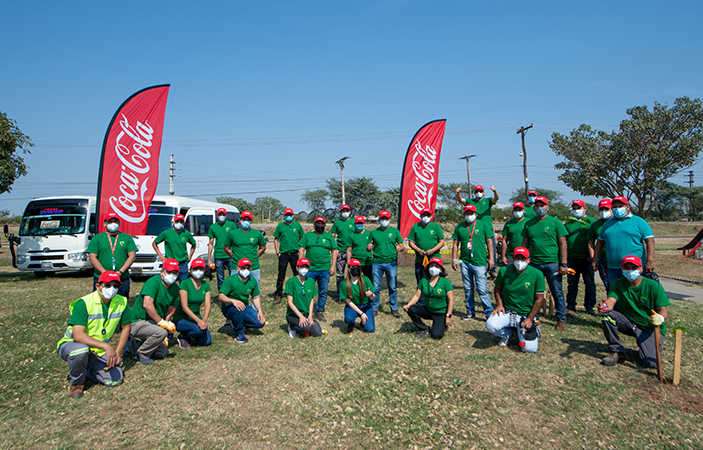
<point x="53" y="220"/>
<point x="160" y="219"/>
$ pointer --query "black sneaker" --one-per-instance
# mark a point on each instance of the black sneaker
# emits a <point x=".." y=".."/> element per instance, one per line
<point x="145" y="360"/>
<point x="396" y="314"/>
<point x="182" y="342"/>
<point x="612" y="359"/>
<point x="350" y="327"/>
<point x="467" y="317"/>
<point x="320" y="316"/>
<point x="277" y="299"/>
<point x="421" y="334"/>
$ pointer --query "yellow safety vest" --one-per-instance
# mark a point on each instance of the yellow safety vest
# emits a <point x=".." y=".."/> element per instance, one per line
<point x="99" y="327"/>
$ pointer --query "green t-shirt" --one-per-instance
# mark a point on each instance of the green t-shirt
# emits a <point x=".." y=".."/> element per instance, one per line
<point x="358" y="241"/>
<point x="577" y="239"/>
<point x="237" y="289"/>
<point x="483" y="209"/>
<point x="384" y="242"/>
<point x="426" y="237"/>
<point x="356" y="297"/>
<point x="175" y="243"/>
<point x="245" y="245"/>
<point x="518" y="289"/>
<point x="529" y="212"/>
<point x="593" y="233"/>
<point x="317" y="249"/>
<point x="513" y="232"/>
<point x="101" y="246"/>
<point x="163" y="298"/>
<point x="543" y="239"/>
<point x="637" y="303"/>
<point x="219" y="232"/>
<point x="472" y="241"/>
<point x="302" y="294"/>
<point x="196" y="297"/>
<point x="342" y="228"/>
<point x="289" y="236"/>
<point x="79" y="315"/>
<point x="436" y="297"/>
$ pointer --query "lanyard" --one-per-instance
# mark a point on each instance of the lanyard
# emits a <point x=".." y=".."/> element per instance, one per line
<point x="112" y="247"/>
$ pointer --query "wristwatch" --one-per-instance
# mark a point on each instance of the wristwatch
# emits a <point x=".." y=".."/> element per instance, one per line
<point x="564" y="265"/>
<point x="449" y="315"/>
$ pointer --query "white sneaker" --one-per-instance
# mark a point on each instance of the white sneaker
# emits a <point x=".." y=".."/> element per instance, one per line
<point x="504" y="342"/>
<point x="291" y="333"/>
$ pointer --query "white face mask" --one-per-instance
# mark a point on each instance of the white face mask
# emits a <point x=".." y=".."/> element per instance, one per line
<point x="578" y="213"/>
<point x="178" y="226"/>
<point x="198" y="274"/>
<point x="605" y="214"/>
<point x="109" y="292"/>
<point x="244" y="273"/>
<point x="113" y="227"/>
<point x="221" y="219"/>
<point x="631" y="275"/>
<point x="471" y="218"/>
<point x="434" y="271"/>
<point x="518" y="214"/>
<point x="345" y="215"/>
<point x="426" y="219"/>
<point x="169" y="278"/>
<point x="384" y="223"/>
<point x="520" y="265"/>
<point x="303" y="271"/>
<point x="478" y="195"/>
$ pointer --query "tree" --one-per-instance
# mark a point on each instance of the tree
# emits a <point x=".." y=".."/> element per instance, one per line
<point x="447" y="208"/>
<point x="361" y="194"/>
<point x="268" y="207"/>
<point x="315" y="199"/>
<point x="239" y="203"/>
<point x="647" y="149"/>
<point x="389" y="200"/>
<point x="518" y="195"/>
<point x="11" y="165"/>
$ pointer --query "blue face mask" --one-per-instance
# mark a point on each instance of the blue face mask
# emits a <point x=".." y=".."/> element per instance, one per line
<point x="289" y="219"/>
<point x="631" y="275"/>
<point x="359" y="226"/>
<point x="620" y="212"/>
<point x="578" y="213"/>
<point x="245" y="224"/>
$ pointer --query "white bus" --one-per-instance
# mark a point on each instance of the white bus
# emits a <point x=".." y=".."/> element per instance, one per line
<point x="55" y="231"/>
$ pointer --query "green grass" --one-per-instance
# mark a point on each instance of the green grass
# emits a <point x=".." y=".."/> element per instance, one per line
<point x="381" y="390"/>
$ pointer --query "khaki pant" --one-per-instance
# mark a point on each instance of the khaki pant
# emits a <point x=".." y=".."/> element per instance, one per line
<point x="147" y="339"/>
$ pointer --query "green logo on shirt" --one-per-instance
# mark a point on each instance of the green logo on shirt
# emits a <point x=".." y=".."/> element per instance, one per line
<point x="527" y="285"/>
<point x="251" y="240"/>
<point x="390" y="235"/>
<point x="431" y="231"/>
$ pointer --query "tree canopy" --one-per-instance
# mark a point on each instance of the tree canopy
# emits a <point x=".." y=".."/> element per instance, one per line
<point x="239" y="203"/>
<point x="12" y="165"/>
<point x="315" y="200"/>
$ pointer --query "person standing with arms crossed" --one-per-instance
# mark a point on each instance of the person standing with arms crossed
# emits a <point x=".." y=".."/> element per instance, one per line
<point x="175" y="240"/>
<point x="112" y="251"/>
<point x="286" y="242"/>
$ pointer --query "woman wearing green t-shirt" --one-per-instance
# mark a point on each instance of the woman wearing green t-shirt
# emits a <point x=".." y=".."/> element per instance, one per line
<point x="359" y="297"/>
<point x="439" y="301"/>
<point x="193" y="294"/>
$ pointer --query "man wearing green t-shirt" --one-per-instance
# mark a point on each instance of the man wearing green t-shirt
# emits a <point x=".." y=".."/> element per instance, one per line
<point x="320" y="250"/>
<point x="385" y="242"/>
<point x="426" y="238"/>
<point x="529" y="211"/>
<point x="175" y="240"/>
<point x="483" y="207"/>
<point x="512" y="233"/>
<point x="218" y="234"/>
<point x="246" y="242"/>
<point x="340" y="229"/>
<point x="600" y="260"/>
<point x="545" y="238"/>
<point x="300" y="294"/>
<point x="642" y="305"/>
<point x="356" y="243"/>
<point x="113" y="251"/>
<point x="286" y="242"/>
<point x="473" y="237"/>
<point x="234" y="296"/>
<point x="579" y="258"/>
<point x="519" y="293"/>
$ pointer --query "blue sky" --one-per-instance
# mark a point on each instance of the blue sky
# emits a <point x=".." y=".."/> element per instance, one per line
<point x="266" y="96"/>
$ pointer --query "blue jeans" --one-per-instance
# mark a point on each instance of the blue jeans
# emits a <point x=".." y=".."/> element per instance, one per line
<point x="350" y="316"/>
<point x="474" y="277"/>
<point x="419" y="275"/>
<point x="124" y="287"/>
<point x="603" y="272"/>
<point x="242" y="319"/>
<point x="220" y="265"/>
<point x="184" y="273"/>
<point x="554" y="282"/>
<point x="495" y="255"/>
<point x="322" y="277"/>
<point x="614" y="274"/>
<point x="391" y="271"/>
<point x="582" y="267"/>
<point x="191" y="331"/>
<point x="255" y="274"/>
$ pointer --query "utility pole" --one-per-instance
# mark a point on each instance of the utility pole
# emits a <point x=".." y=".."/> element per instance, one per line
<point x="690" y="198"/>
<point x="171" y="175"/>
<point x="521" y="131"/>
<point x="468" y="172"/>
<point x="341" y="166"/>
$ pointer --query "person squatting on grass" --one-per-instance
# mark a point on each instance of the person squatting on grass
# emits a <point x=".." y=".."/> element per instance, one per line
<point x="300" y="295"/>
<point x="439" y="301"/>
<point x="356" y="291"/>
<point x="234" y="297"/>
<point x="86" y="344"/>
<point x="426" y="238"/>
<point x="641" y="304"/>
<point x="194" y="293"/>
<point x="519" y="294"/>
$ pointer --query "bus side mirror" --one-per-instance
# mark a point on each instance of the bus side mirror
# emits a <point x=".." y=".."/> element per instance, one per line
<point x="5" y="229"/>
<point x="91" y="228"/>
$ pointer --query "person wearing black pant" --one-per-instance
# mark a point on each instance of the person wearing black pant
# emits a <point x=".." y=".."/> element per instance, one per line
<point x="439" y="301"/>
<point x="286" y="240"/>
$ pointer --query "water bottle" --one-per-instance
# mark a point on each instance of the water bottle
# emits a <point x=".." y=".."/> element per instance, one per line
<point x="603" y="306"/>
<point x="523" y="331"/>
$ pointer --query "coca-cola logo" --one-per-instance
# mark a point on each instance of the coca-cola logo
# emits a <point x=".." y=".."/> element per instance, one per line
<point x="424" y="165"/>
<point x="134" y="154"/>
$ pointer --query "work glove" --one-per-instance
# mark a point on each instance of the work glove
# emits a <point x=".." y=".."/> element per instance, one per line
<point x="656" y="319"/>
<point x="168" y="325"/>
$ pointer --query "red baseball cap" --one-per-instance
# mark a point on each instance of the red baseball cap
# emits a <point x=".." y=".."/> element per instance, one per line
<point x="179" y="217"/>
<point x="425" y="211"/>
<point x="521" y="251"/>
<point x="109" y="276"/>
<point x="359" y="219"/>
<point x="288" y="211"/>
<point x="354" y="263"/>
<point x="221" y="211"/>
<point x="621" y="199"/>
<point x="605" y="203"/>
<point x="469" y="208"/>
<point x="246" y="215"/>
<point x="581" y="203"/>
<point x="303" y="262"/>
<point x="542" y="199"/>
<point x="197" y="262"/>
<point x="171" y="265"/>
<point x="343" y="207"/>
<point x="631" y="259"/>
<point x="320" y="219"/>
<point x="518" y="205"/>
<point x="384" y="213"/>
<point x="243" y="262"/>
<point x="532" y="192"/>
<point x="436" y="260"/>
<point x="478" y="188"/>
<point x="110" y="216"/>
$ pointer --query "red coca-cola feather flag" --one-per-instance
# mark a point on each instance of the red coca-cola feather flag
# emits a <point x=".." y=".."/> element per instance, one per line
<point x="129" y="164"/>
<point x="418" y="186"/>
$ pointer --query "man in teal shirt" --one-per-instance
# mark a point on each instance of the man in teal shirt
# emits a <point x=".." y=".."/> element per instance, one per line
<point x="385" y="242"/>
<point x="218" y="234"/>
<point x="579" y="258"/>
<point x="286" y="242"/>
<point x="175" y="240"/>
<point x="483" y="207"/>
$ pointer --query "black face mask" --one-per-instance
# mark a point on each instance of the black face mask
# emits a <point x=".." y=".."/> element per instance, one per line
<point x="319" y="228"/>
<point x="355" y="271"/>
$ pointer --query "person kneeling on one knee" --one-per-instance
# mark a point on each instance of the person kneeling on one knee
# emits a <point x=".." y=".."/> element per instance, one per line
<point x="519" y="294"/>
<point x="234" y="296"/>
<point x="86" y="344"/>
<point x="300" y="294"/>
<point x="356" y="291"/>
<point x="194" y="294"/>
<point x="439" y="301"/>
<point x="642" y="305"/>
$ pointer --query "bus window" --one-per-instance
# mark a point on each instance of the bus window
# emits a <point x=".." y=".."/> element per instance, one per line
<point x="42" y="220"/>
<point x="234" y="217"/>
<point x="199" y="225"/>
<point x="160" y="219"/>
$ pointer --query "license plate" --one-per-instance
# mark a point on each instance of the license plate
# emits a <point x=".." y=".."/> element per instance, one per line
<point x="136" y="270"/>
<point x="46" y="265"/>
